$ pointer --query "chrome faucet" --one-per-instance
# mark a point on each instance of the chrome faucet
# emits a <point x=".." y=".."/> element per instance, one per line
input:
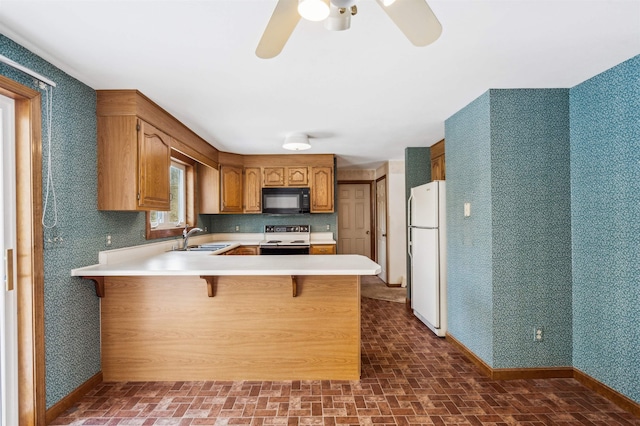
<point x="186" y="235"/>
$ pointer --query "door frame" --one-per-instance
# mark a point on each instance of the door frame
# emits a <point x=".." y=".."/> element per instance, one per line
<point x="372" y="210"/>
<point x="375" y="203"/>
<point x="29" y="252"/>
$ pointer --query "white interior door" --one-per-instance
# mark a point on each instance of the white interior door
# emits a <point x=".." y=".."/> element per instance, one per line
<point x="354" y="219"/>
<point x="8" y="300"/>
<point x="381" y="227"/>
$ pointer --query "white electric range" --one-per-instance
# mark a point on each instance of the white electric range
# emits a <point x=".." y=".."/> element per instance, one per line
<point x="285" y="239"/>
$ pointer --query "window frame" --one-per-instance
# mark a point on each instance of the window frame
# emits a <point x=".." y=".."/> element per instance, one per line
<point x="190" y="213"/>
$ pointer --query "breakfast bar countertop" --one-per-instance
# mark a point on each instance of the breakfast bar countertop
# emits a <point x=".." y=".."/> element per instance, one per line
<point x="179" y="263"/>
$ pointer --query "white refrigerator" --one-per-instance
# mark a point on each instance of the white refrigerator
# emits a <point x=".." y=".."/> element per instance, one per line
<point x="427" y="253"/>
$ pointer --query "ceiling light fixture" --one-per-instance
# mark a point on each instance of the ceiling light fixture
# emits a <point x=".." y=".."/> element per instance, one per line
<point x="296" y="142"/>
<point x="388" y="2"/>
<point x="339" y="19"/>
<point x="313" y="10"/>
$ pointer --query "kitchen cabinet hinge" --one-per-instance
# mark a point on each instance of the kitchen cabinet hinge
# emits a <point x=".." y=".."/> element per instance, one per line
<point x="138" y="195"/>
<point x="138" y="127"/>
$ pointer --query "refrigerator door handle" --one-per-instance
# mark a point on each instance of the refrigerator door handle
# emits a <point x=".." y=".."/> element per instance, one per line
<point x="409" y="209"/>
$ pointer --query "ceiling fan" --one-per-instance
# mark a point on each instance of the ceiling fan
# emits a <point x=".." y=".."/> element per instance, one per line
<point x="414" y="18"/>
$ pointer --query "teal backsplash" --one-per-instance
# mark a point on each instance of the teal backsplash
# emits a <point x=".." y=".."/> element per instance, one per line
<point x="256" y="222"/>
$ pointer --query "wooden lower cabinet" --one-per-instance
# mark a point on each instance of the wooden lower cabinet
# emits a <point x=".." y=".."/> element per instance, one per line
<point x="322" y="249"/>
<point x="166" y="328"/>
<point x="243" y="251"/>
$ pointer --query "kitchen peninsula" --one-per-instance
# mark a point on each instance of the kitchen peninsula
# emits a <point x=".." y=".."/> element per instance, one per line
<point x="198" y="316"/>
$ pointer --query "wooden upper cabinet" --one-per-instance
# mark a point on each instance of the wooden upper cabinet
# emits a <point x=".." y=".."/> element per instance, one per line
<point x="273" y="176"/>
<point x="297" y="176"/>
<point x="208" y="189"/>
<point x="286" y="176"/>
<point x="437" y="161"/>
<point x="231" y="193"/>
<point x="133" y="165"/>
<point x="135" y="141"/>
<point x="322" y="190"/>
<point x="154" y="162"/>
<point x="252" y="190"/>
<point x="437" y="168"/>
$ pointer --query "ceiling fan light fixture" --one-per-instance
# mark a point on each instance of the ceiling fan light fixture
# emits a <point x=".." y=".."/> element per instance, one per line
<point x="313" y="10"/>
<point x="338" y="19"/>
<point x="296" y="142"/>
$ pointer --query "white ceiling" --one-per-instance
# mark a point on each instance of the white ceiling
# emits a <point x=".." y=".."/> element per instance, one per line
<point x="364" y="94"/>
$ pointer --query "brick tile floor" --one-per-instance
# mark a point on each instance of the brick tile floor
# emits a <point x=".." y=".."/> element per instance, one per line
<point x="409" y="377"/>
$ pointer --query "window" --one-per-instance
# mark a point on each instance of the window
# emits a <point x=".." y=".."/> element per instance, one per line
<point x="162" y="224"/>
<point x="176" y="217"/>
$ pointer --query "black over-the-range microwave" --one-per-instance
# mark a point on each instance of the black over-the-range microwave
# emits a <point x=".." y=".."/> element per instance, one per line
<point x="285" y="200"/>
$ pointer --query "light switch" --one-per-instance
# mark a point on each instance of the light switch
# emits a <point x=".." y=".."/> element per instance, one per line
<point x="467" y="209"/>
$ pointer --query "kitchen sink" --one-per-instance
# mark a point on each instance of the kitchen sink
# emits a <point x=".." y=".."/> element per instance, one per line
<point x="206" y="247"/>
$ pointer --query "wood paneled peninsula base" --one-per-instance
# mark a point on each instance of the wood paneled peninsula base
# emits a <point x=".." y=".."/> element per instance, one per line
<point x="222" y="322"/>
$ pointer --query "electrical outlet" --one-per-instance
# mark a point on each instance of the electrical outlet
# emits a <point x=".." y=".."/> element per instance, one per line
<point x="328" y="227"/>
<point x="237" y="228"/>
<point x="108" y="241"/>
<point x="538" y="334"/>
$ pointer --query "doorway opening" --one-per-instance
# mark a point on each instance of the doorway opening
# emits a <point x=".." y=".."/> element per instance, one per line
<point x="28" y="255"/>
<point x="8" y="300"/>
<point x="381" y="226"/>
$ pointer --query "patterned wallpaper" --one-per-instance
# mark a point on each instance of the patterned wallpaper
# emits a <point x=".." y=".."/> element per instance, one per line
<point x="469" y="240"/>
<point x="72" y="317"/>
<point x="510" y="261"/>
<point x="563" y="208"/>
<point x="605" y="197"/>
<point x="417" y="166"/>
<point x="531" y="227"/>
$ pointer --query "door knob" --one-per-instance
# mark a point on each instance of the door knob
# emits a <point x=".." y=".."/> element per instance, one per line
<point x="384" y="235"/>
<point x="367" y="232"/>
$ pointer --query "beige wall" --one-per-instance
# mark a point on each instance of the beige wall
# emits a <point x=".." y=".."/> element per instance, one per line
<point x="396" y="213"/>
<point x="396" y="223"/>
<point x="356" y="174"/>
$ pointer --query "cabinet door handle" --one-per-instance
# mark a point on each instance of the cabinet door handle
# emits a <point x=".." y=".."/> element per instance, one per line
<point x="9" y="270"/>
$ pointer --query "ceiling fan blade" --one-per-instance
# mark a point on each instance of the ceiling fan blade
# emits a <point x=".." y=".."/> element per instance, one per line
<point x="283" y="21"/>
<point x="415" y="19"/>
